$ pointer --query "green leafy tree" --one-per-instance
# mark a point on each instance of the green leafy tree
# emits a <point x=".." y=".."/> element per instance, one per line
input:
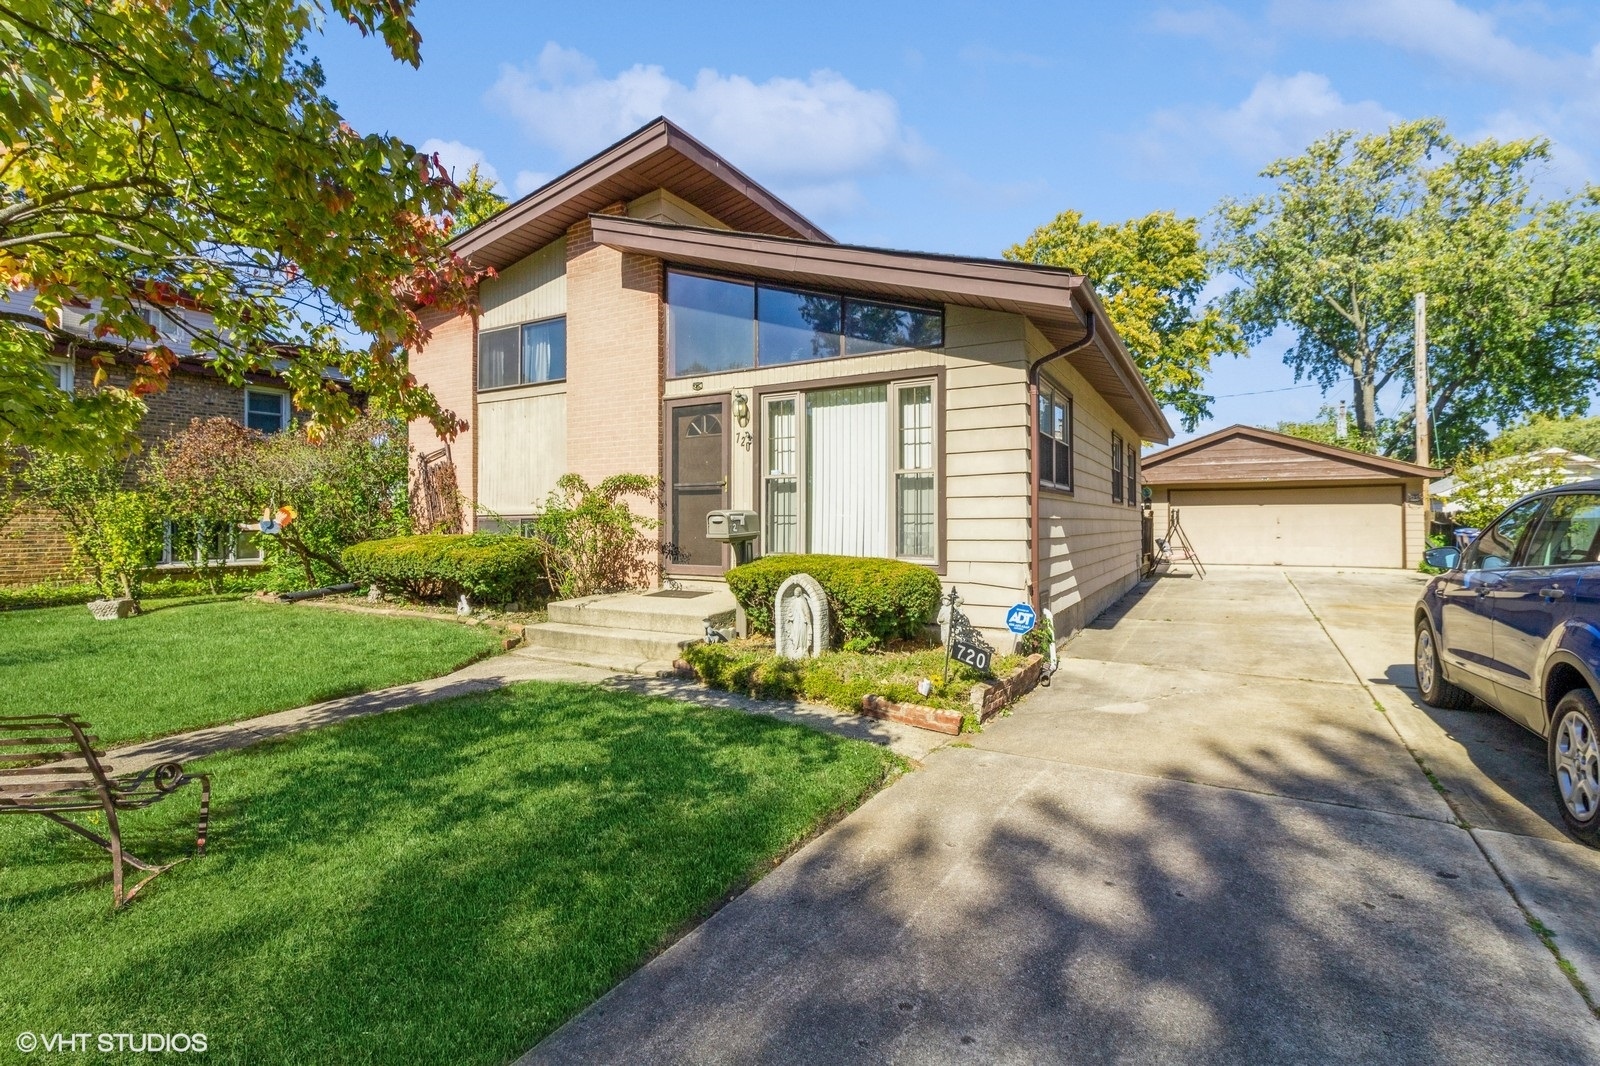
<point x="1357" y="225"/>
<point x="160" y="152"/>
<point x="479" y="201"/>
<point x="1581" y="435"/>
<point x="1149" y="272"/>
<point x="1486" y="485"/>
<point x="114" y="532"/>
<point x="1324" y="429"/>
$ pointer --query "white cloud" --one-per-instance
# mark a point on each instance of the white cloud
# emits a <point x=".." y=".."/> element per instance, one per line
<point x="528" y="180"/>
<point x="459" y="158"/>
<point x="803" y="134"/>
<point x="1466" y="41"/>
<point x="1213" y="23"/>
<point x="1279" y="117"/>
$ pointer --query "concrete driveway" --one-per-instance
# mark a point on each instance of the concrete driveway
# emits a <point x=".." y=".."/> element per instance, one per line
<point x="1209" y="841"/>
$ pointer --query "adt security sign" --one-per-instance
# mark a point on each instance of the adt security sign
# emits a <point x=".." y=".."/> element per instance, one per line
<point x="1020" y="618"/>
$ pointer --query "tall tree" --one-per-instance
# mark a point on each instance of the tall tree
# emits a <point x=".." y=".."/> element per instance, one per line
<point x="151" y="150"/>
<point x="1149" y="272"/>
<point x="479" y="201"/>
<point x="1359" y="224"/>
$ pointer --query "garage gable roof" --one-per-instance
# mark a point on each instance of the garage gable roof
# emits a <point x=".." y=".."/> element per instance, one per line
<point x="658" y="155"/>
<point x="1248" y="454"/>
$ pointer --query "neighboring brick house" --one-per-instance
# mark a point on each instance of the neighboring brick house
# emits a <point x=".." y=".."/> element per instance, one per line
<point x="656" y="311"/>
<point x="32" y="547"/>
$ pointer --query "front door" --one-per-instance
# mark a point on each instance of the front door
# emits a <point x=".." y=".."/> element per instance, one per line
<point x="697" y="483"/>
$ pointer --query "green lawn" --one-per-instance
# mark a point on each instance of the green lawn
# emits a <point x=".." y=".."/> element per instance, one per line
<point x="187" y="664"/>
<point x="443" y="884"/>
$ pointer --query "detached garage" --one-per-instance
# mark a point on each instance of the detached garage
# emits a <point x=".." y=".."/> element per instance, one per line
<point x="1252" y="496"/>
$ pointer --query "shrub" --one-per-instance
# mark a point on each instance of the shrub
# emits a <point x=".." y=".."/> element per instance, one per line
<point x="485" y="567"/>
<point x="871" y="600"/>
<point x="593" y="541"/>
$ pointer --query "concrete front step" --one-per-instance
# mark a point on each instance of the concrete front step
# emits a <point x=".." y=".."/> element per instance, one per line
<point x="621" y="664"/>
<point x="683" y="616"/>
<point x="621" y="642"/>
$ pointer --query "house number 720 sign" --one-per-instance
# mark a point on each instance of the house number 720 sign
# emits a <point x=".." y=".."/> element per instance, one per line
<point x="971" y="654"/>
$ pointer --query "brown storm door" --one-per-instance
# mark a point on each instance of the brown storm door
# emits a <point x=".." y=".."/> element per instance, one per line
<point x="697" y="482"/>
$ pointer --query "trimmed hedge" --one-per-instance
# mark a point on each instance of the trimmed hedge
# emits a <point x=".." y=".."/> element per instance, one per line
<point x="872" y="600"/>
<point x="488" y="568"/>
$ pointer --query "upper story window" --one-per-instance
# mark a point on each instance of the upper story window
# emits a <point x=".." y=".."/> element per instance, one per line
<point x="1054" y="446"/>
<point x="265" y="410"/>
<point x="717" y="324"/>
<point x="528" y="354"/>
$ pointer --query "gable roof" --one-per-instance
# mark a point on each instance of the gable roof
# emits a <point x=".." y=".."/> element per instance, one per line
<point x="658" y="155"/>
<point x="1054" y="300"/>
<point x="1245" y="453"/>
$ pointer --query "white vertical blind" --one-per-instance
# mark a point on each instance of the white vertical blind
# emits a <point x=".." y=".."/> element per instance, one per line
<point x="847" y="458"/>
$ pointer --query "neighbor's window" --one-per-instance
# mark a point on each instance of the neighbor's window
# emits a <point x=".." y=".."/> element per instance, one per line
<point x="528" y="354"/>
<point x="1133" y="475"/>
<point x="1054" y="444"/>
<point x="266" y="411"/>
<point x="717" y="324"/>
<point x="61" y="371"/>
<point x="1118" y="458"/>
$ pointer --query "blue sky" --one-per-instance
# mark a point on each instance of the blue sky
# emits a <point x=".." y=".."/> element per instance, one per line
<point x="959" y="127"/>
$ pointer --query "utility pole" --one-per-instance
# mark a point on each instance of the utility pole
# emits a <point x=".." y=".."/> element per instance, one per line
<point x="1424" y="452"/>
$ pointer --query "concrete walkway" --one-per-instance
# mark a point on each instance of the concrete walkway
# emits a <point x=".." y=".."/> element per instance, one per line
<point x="1207" y="842"/>
<point x="497" y="672"/>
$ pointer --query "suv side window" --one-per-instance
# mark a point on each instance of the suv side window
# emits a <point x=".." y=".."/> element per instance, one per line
<point x="1497" y="548"/>
<point x="1566" y="533"/>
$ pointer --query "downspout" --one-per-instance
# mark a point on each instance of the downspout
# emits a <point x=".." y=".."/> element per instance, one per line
<point x="1035" y="566"/>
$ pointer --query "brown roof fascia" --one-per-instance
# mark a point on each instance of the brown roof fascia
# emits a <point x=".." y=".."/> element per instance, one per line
<point x="1043" y="294"/>
<point x="1267" y="436"/>
<point x="654" y="137"/>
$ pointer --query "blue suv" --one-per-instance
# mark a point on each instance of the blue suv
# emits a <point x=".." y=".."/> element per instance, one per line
<point x="1516" y="623"/>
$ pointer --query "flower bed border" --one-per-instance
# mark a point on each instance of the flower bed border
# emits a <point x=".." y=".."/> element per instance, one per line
<point x="987" y="700"/>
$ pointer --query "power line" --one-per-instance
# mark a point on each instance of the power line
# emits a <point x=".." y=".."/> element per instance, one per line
<point x="1263" y="392"/>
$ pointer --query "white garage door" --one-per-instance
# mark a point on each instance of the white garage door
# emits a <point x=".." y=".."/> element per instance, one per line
<point x="1336" y="526"/>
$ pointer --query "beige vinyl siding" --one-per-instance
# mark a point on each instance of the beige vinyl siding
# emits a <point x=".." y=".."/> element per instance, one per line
<point x="528" y="290"/>
<point x="1090" y="552"/>
<point x="522" y="447"/>
<point x="987" y="464"/>
<point x="1416" y="523"/>
<point x="663" y="206"/>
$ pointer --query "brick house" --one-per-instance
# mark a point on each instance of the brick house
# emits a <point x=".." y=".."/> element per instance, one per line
<point x="32" y="548"/>
<point x="656" y="311"/>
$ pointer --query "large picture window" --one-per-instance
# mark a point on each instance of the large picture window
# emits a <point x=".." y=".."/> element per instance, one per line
<point x="529" y="354"/>
<point x="1053" y="456"/>
<point x="720" y="324"/>
<point x="851" y="471"/>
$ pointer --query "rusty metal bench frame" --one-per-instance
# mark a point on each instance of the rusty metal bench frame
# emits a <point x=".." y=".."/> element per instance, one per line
<point x="49" y="766"/>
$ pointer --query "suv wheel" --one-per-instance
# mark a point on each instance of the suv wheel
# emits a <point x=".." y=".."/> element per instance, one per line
<point x="1436" y="691"/>
<point x="1575" y="763"/>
